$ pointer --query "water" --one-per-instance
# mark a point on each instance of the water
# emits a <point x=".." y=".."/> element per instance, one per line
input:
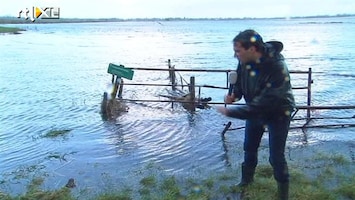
<point x="52" y="77"/>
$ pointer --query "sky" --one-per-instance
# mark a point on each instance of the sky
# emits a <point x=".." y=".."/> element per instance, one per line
<point x="128" y="9"/>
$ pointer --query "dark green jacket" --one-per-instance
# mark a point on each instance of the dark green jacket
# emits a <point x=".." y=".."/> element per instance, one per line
<point x="265" y="86"/>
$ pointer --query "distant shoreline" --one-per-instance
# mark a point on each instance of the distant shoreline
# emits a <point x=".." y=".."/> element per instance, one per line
<point x="15" y="20"/>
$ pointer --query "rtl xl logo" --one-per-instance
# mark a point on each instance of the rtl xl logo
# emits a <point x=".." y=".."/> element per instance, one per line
<point x="40" y="13"/>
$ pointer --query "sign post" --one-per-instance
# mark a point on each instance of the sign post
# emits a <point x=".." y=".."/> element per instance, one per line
<point x="120" y="72"/>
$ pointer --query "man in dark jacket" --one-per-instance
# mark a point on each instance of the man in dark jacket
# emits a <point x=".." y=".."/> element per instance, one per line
<point x="264" y="82"/>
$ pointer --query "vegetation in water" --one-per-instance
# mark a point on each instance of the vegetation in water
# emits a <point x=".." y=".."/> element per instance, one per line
<point x="10" y="30"/>
<point x="56" y="133"/>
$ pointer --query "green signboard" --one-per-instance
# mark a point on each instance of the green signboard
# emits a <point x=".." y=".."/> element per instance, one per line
<point x="120" y="71"/>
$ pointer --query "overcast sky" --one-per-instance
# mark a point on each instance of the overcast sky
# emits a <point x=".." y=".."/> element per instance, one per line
<point x="183" y="8"/>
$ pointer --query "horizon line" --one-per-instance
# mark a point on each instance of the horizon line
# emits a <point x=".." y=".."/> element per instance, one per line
<point x="193" y="18"/>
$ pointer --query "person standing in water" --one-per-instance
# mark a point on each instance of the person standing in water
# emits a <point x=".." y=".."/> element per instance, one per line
<point x="263" y="81"/>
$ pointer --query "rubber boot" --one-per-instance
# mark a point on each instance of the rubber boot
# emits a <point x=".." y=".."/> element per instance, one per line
<point x="282" y="190"/>
<point x="247" y="175"/>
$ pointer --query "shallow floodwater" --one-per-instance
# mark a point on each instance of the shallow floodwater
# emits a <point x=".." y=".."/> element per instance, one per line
<point x="52" y="77"/>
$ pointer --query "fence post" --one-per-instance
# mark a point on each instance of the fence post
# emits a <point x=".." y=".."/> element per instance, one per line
<point x="227" y="84"/>
<point x="115" y="87"/>
<point x="309" y="93"/>
<point x="120" y="91"/>
<point x="192" y="93"/>
<point x="172" y="75"/>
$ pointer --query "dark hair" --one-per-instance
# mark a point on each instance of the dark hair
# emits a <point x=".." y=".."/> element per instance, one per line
<point x="249" y="38"/>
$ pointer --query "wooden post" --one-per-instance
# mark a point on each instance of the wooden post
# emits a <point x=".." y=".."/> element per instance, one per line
<point x="172" y="76"/>
<point x="309" y="93"/>
<point x="192" y="93"/>
<point x="120" y="91"/>
<point x="104" y="102"/>
<point x="227" y="84"/>
<point x="171" y="80"/>
<point x="115" y="88"/>
<point x="169" y="66"/>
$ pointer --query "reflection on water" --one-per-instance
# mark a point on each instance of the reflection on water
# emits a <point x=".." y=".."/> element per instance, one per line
<point x="53" y="76"/>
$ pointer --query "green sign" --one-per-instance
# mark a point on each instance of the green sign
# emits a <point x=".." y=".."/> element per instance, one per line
<point x="120" y="71"/>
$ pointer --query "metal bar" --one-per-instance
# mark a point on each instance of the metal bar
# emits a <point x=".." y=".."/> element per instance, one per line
<point x="168" y="85"/>
<point x="212" y="86"/>
<point x="199" y="93"/>
<point x="317" y="118"/>
<point x="299" y="88"/>
<point x="182" y="85"/>
<point x="169" y="101"/>
<point x="325" y="107"/>
<point x="181" y="70"/>
<point x="227" y="80"/>
<point x="152" y="100"/>
<point x="311" y="126"/>
<point x="298" y="72"/>
<point x="309" y="94"/>
<point x="226" y="128"/>
<point x="324" y="126"/>
<point x="297" y="107"/>
<point x="198" y="70"/>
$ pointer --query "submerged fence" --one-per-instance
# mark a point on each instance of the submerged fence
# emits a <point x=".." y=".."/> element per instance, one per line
<point x="192" y="101"/>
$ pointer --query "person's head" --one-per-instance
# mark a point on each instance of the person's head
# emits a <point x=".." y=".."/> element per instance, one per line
<point x="248" y="46"/>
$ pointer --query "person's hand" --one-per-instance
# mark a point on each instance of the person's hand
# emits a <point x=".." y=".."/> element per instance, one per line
<point x="228" y="99"/>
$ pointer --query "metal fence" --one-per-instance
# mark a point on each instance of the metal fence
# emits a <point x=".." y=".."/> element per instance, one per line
<point x="192" y="87"/>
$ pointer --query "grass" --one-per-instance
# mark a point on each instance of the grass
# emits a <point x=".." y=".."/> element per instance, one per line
<point x="10" y="30"/>
<point x="170" y="188"/>
<point x="347" y="190"/>
<point x="35" y="193"/>
<point x="335" y="180"/>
